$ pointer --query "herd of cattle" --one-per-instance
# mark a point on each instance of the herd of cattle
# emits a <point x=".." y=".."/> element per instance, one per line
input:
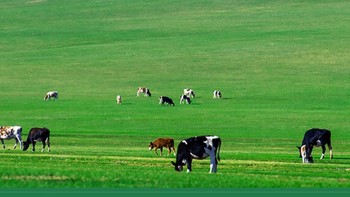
<point x="197" y="147"/>
<point x="185" y="98"/>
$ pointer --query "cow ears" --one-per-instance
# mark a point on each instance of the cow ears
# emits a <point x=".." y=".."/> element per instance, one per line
<point x="173" y="163"/>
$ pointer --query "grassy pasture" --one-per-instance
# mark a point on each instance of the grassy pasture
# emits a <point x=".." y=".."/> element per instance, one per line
<point x="282" y="66"/>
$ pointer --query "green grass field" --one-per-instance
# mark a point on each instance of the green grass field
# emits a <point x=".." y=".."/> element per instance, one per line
<point x="282" y="67"/>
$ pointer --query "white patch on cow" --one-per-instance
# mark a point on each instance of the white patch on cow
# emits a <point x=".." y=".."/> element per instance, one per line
<point x="184" y="141"/>
<point x="322" y="156"/>
<point x="303" y="153"/>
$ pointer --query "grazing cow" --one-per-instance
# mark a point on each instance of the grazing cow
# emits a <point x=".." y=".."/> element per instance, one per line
<point x="216" y="94"/>
<point x="119" y="99"/>
<point x="199" y="147"/>
<point x="10" y="132"/>
<point x="166" y="100"/>
<point x="143" y="90"/>
<point x="189" y="93"/>
<point x="37" y="134"/>
<point x="52" y="94"/>
<point x="184" y="98"/>
<point x="315" y="137"/>
<point x="160" y="143"/>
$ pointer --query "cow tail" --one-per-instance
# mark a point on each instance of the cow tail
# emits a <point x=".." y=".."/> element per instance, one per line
<point x="219" y="145"/>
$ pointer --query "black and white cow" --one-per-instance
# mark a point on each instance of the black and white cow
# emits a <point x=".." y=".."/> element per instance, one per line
<point x="37" y="134"/>
<point x="166" y="100"/>
<point x="184" y="98"/>
<point x="11" y="132"/>
<point x="144" y="90"/>
<point x="315" y="137"/>
<point x="198" y="147"/>
<point x="216" y="94"/>
<point x="52" y="94"/>
<point x="189" y="92"/>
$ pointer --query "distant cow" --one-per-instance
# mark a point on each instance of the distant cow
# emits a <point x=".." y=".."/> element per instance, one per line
<point x="10" y="132"/>
<point x="189" y="93"/>
<point x="166" y="100"/>
<point x="37" y="134"/>
<point x="144" y="91"/>
<point x="119" y="99"/>
<point x="184" y="98"/>
<point x="160" y="143"/>
<point x="315" y="137"/>
<point x="199" y="147"/>
<point x="216" y="94"/>
<point x="52" y="94"/>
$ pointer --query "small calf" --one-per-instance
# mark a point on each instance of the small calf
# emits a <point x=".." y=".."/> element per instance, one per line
<point x="37" y="134"/>
<point x="160" y="143"/>
<point x="119" y="99"/>
<point x="217" y="94"/>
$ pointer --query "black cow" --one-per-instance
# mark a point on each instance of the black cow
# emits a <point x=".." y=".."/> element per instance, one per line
<point x="37" y="134"/>
<point x="198" y="147"/>
<point x="166" y="100"/>
<point x="315" y="137"/>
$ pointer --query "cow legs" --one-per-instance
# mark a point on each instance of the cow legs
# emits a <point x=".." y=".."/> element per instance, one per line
<point x="174" y="151"/>
<point x="323" y="151"/>
<point x="213" y="164"/>
<point x="48" y="145"/>
<point x="189" y="165"/>
<point x="3" y="144"/>
<point x="18" y="139"/>
<point x="155" y="150"/>
<point x="169" y="151"/>
<point x="14" y="147"/>
<point x="33" y="149"/>
<point x="161" y="151"/>
<point x="330" y="151"/>
<point x="44" y="144"/>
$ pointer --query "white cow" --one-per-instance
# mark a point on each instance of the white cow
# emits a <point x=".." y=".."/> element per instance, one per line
<point x="52" y="94"/>
<point x="189" y="92"/>
<point x="119" y="99"/>
<point x="10" y="132"/>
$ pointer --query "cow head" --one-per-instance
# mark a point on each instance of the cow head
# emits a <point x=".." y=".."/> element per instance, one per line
<point x="25" y="145"/>
<point x="179" y="165"/>
<point x="305" y="154"/>
<point x="150" y="146"/>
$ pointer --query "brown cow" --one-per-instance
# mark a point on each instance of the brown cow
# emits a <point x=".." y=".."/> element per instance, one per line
<point x="162" y="142"/>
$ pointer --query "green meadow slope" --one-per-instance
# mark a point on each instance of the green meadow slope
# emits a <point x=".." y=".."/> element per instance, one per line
<point x="282" y="67"/>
